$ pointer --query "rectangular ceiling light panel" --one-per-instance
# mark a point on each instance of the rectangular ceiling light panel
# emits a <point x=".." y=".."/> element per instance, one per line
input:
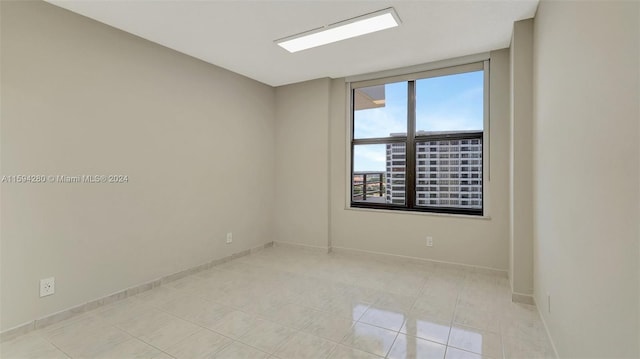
<point x="361" y="25"/>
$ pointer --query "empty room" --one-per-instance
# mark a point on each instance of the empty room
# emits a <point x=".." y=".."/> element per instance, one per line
<point x="319" y="179"/>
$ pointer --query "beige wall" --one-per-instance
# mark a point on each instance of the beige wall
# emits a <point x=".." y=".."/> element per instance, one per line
<point x="586" y="176"/>
<point x="302" y="163"/>
<point x="79" y="97"/>
<point x="467" y="240"/>
<point x="521" y="166"/>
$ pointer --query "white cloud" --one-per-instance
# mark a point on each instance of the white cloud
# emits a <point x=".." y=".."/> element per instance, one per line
<point x="380" y="122"/>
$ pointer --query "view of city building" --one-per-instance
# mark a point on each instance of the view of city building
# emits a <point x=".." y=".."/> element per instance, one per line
<point x="449" y="172"/>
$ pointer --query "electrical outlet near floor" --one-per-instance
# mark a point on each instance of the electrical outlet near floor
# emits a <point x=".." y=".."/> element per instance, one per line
<point x="229" y="237"/>
<point x="47" y="286"/>
<point x="429" y="241"/>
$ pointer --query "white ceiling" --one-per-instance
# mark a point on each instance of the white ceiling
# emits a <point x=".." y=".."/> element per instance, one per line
<point x="239" y="35"/>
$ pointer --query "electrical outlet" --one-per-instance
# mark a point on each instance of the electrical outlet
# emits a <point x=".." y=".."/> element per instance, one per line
<point x="429" y="241"/>
<point x="47" y="286"/>
<point x="229" y="237"/>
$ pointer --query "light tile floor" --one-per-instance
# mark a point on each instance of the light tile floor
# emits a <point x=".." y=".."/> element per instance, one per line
<point x="291" y="303"/>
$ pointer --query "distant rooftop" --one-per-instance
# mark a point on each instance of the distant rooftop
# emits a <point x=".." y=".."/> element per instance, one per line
<point x="426" y="133"/>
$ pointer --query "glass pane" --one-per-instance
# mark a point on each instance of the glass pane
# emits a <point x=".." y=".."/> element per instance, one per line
<point x="449" y="173"/>
<point x="450" y="103"/>
<point x="379" y="173"/>
<point x="380" y="111"/>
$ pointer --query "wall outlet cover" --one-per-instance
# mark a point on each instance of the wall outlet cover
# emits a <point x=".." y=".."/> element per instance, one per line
<point x="47" y="286"/>
<point x="429" y="241"/>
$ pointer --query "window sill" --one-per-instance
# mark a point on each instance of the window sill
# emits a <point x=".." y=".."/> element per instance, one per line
<point x="418" y="213"/>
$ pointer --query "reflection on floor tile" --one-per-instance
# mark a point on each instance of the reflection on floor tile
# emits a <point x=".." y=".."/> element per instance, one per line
<point x="454" y="353"/>
<point x="371" y="339"/>
<point x="408" y="347"/>
<point x="383" y="318"/>
<point x="476" y="341"/>
<point x="421" y="326"/>
<point x="284" y="303"/>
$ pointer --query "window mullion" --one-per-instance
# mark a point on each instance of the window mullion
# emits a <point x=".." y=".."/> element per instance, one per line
<point x="371" y="141"/>
<point x="410" y="185"/>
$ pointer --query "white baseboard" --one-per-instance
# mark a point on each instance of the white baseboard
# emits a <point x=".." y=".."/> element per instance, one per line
<point x="71" y="312"/>
<point x="302" y="246"/>
<point x="477" y="269"/>
<point x="546" y="329"/>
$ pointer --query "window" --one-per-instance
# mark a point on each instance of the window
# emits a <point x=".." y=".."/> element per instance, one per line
<point x="418" y="141"/>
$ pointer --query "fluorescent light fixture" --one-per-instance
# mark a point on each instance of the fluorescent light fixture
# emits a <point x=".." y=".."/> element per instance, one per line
<point x="361" y="25"/>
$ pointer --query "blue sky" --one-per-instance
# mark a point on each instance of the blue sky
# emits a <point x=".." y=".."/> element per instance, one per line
<point x="445" y="103"/>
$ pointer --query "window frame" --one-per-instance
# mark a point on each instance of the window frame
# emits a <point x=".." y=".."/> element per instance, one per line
<point x="411" y="140"/>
